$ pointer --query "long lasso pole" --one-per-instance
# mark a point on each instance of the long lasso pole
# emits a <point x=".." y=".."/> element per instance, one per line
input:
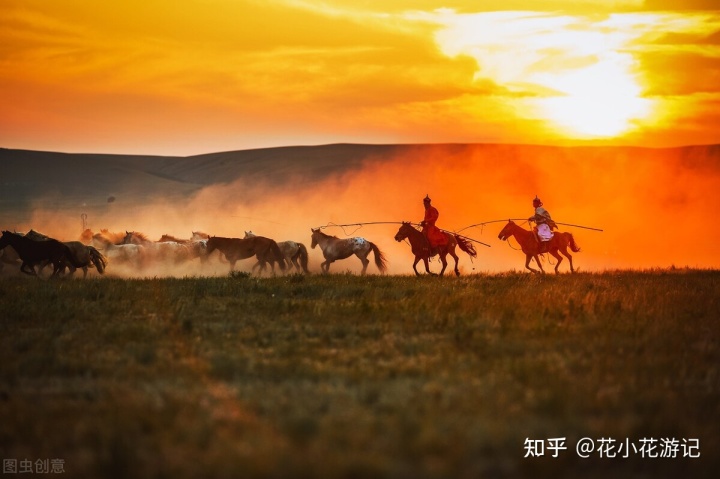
<point x="525" y="219"/>
<point x="578" y="226"/>
<point x="399" y="223"/>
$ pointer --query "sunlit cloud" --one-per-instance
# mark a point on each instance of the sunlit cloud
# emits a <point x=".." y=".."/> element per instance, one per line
<point x="580" y="72"/>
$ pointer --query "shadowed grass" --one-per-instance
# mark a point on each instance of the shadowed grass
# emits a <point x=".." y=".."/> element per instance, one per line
<point x="347" y="376"/>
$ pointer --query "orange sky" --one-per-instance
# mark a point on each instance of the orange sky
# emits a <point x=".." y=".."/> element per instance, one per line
<point x="152" y="77"/>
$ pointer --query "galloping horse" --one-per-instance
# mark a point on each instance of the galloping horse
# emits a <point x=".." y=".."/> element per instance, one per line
<point x="83" y="254"/>
<point x="421" y="248"/>
<point x="334" y="248"/>
<point x="164" y="251"/>
<point x="292" y="252"/>
<point x="32" y="252"/>
<point x="196" y="247"/>
<point x="264" y="249"/>
<point x="532" y="247"/>
<point x="131" y="254"/>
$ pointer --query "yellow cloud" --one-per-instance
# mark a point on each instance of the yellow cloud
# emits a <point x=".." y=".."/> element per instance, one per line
<point x="581" y="71"/>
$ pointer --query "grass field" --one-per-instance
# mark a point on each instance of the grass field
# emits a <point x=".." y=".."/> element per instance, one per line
<point x="348" y="376"/>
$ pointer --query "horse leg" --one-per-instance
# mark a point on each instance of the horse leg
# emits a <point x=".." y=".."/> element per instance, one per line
<point x="417" y="260"/>
<point x="57" y="266"/>
<point x="537" y="260"/>
<point x="455" y="256"/>
<point x="528" y="257"/>
<point x="565" y="252"/>
<point x="294" y="260"/>
<point x="427" y="267"/>
<point x="443" y="260"/>
<point x="557" y="257"/>
<point x="23" y="269"/>
<point x="365" y="263"/>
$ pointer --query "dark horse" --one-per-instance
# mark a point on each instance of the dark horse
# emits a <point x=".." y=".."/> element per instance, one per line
<point x="532" y="247"/>
<point x="86" y="255"/>
<point x="264" y="249"/>
<point x="422" y="250"/>
<point x="32" y="252"/>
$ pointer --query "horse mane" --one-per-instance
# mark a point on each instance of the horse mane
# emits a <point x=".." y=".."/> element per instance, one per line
<point x="140" y="235"/>
<point x="171" y="238"/>
<point x="327" y="235"/>
<point x="36" y="234"/>
<point x="113" y="238"/>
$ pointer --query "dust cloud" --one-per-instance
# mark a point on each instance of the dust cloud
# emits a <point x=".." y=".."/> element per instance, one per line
<point x="655" y="207"/>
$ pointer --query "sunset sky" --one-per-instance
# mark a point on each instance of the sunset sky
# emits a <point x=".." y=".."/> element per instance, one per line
<point x="183" y="78"/>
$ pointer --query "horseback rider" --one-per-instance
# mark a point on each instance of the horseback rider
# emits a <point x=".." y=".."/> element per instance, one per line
<point x="433" y="234"/>
<point x="544" y="223"/>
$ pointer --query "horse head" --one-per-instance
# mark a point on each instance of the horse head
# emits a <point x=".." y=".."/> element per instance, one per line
<point x="507" y="231"/>
<point x="404" y="231"/>
<point x="249" y="234"/>
<point x="314" y="237"/>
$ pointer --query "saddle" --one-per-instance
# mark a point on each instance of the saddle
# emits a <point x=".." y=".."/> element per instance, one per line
<point x="542" y="245"/>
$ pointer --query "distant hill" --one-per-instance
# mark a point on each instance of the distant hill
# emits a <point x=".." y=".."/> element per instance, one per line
<point x="88" y="182"/>
<point x="92" y="180"/>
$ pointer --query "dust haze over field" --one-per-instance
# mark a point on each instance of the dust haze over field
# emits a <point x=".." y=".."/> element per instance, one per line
<point x="656" y="206"/>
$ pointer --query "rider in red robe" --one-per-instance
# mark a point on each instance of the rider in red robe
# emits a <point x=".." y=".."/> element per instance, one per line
<point x="433" y="234"/>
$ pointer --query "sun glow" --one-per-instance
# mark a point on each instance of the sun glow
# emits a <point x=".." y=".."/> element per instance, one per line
<point x="574" y="72"/>
<point x="602" y="100"/>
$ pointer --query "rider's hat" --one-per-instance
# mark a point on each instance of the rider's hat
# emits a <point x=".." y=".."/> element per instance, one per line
<point x="426" y="199"/>
<point x="537" y="201"/>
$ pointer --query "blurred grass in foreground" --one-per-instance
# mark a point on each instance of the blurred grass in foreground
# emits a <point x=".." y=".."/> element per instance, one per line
<point x="347" y="376"/>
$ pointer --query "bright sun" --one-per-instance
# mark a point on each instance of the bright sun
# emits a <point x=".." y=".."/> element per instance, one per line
<point x="601" y="100"/>
<point x="574" y="73"/>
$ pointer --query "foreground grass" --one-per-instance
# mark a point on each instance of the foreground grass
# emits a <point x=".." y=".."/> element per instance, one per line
<point x="345" y="376"/>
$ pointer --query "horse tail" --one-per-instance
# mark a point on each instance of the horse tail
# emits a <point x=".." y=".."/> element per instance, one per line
<point x="380" y="260"/>
<point x="279" y="257"/>
<point x="466" y="246"/>
<point x="303" y="254"/>
<point x="573" y="245"/>
<point x="97" y="259"/>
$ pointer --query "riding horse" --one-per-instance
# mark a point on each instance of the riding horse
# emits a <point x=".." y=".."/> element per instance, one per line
<point x="32" y="252"/>
<point x="334" y="248"/>
<point x="422" y="250"/>
<point x="532" y="247"/>
<point x="264" y="249"/>
<point x="292" y="251"/>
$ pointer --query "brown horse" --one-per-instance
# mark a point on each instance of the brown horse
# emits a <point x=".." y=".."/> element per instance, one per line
<point x="334" y="248"/>
<point x="264" y="249"/>
<point x="532" y="247"/>
<point x="422" y="251"/>
<point x="295" y="253"/>
<point x="33" y="252"/>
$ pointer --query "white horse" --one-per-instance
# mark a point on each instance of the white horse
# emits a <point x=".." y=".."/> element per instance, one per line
<point x="334" y="248"/>
<point x="169" y="251"/>
<point x="130" y="254"/>
<point x="292" y="252"/>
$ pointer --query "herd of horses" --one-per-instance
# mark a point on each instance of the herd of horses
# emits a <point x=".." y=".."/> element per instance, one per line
<point x="34" y="251"/>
